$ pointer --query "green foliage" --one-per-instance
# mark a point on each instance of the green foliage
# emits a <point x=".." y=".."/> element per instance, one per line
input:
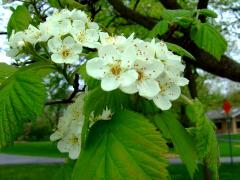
<point x="179" y="50"/>
<point x="159" y="29"/>
<point x="126" y="147"/>
<point x="205" y="36"/>
<point x="22" y="96"/>
<point x="65" y="172"/>
<point x="66" y="3"/>
<point x="19" y="20"/>
<point x="204" y="136"/>
<point x="208" y="12"/>
<point x="167" y="122"/>
<point x="6" y="71"/>
<point x="97" y="100"/>
<point x="172" y="15"/>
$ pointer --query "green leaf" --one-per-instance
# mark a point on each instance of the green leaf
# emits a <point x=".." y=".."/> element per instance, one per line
<point x="208" y="12"/>
<point x="66" y="3"/>
<point x="97" y="100"/>
<point x="205" y="36"/>
<point x="6" y="71"/>
<point x="204" y="136"/>
<point x="125" y="147"/>
<point x="171" y="15"/>
<point x="183" y="142"/>
<point x="159" y="29"/>
<point x="19" y="20"/>
<point x="179" y="50"/>
<point x="90" y="82"/>
<point x="22" y="97"/>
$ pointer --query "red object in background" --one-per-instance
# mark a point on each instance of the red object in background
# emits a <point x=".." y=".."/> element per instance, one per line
<point x="226" y="106"/>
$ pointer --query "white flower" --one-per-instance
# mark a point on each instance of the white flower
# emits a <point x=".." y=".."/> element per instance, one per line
<point x="71" y="142"/>
<point x="87" y="37"/>
<point x="64" y="51"/>
<point x="120" y="42"/>
<point x="145" y="50"/>
<point x="169" y="91"/>
<point x="33" y="34"/>
<point x="17" y="40"/>
<point x="69" y="129"/>
<point x="146" y="84"/>
<point x="60" y="28"/>
<point x="16" y="43"/>
<point x="113" y="67"/>
<point x="45" y="31"/>
<point x="106" y="115"/>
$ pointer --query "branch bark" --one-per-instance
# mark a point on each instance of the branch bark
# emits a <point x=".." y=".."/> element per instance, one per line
<point x="226" y="67"/>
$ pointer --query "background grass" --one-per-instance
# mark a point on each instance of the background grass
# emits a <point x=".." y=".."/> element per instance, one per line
<point x="47" y="149"/>
<point x="28" y="172"/>
<point x="226" y="172"/>
<point x="47" y="172"/>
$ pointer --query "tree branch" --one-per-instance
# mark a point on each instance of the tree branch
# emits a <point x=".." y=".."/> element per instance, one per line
<point x="73" y="94"/>
<point x="202" y="4"/>
<point x="132" y="15"/>
<point x="226" y="67"/>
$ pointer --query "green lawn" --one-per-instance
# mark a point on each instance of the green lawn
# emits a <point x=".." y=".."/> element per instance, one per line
<point x="28" y="172"/>
<point x="47" y="172"/>
<point x="233" y="136"/>
<point x="226" y="172"/>
<point x="224" y="146"/>
<point x="47" y="149"/>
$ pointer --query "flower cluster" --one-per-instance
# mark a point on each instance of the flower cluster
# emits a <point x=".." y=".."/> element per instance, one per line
<point x="68" y="132"/>
<point x="69" y="128"/>
<point x="65" y="32"/>
<point x="134" y="65"/>
<point x="130" y="64"/>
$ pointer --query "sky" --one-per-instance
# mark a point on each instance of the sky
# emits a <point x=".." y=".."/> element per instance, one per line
<point x="227" y="18"/>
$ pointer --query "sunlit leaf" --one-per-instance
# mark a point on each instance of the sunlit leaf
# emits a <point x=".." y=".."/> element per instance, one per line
<point x="125" y="147"/>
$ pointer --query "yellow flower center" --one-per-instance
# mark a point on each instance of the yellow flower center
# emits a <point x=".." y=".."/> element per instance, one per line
<point x="74" y="140"/>
<point x="81" y="36"/>
<point x="140" y="75"/>
<point x="65" y="53"/>
<point x="116" y="69"/>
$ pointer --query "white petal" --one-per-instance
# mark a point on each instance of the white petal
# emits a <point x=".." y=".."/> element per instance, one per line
<point x="77" y="49"/>
<point x="78" y="25"/>
<point x="150" y="69"/>
<point x="96" y="68"/>
<point x="57" y="58"/>
<point x="173" y="92"/>
<point x="182" y="81"/>
<point x="109" y="83"/>
<point x="69" y="42"/>
<point x="74" y="151"/>
<point x="108" y="52"/>
<point x="92" y="35"/>
<point x="128" y="77"/>
<point x="162" y="102"/>
<point x="148" y="88"/>
<point x="128" y="57"/>
<point x="54" y="45"/>
<point x="63" y="145"/>
<point x="71" y="59"/>
<point x="93" y="25"/>
<point x="130" y="89"/>
<point x="56" y="135"/>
